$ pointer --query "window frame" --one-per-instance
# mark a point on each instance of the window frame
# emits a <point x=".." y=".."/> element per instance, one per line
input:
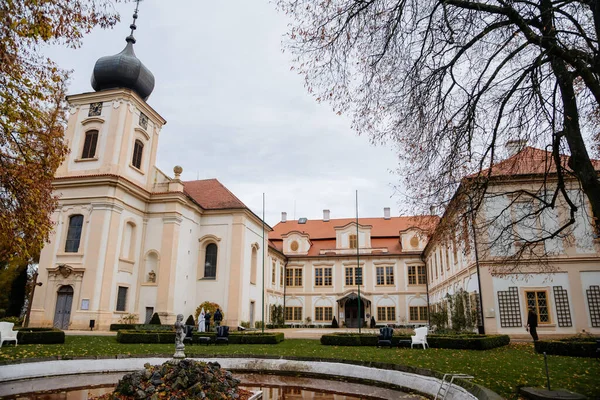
<point x="388" y="312"/>
<point x="352" y="241"/>
<point x="216" y="257"/>
<point x="124" y="301"/>
<point x="537" y="310"/>
<point x="386" y="276"/>
<point x="323" y="275"/>
<point x="90" y="145"/>
<point x="419" y="311"/>
<point x="292" y="312"/>
<point x="323" y="311"/>
<point x="293" y="275"/>
<point x="138" y="154"/>
<point x="353" y="278"/>
<point x="69" y="239"/>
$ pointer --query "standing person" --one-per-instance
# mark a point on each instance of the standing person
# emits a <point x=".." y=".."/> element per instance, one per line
<point x="207" y="321"/>
<point x="218" y="318"/>
<point x="201" y="322"/>
<point x="532" y="321"/>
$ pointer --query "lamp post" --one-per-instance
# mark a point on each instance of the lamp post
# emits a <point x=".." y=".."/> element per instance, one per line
<point x="30" y="300"/>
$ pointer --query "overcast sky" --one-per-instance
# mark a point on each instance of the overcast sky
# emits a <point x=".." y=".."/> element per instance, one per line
<point x="236" y="112"/>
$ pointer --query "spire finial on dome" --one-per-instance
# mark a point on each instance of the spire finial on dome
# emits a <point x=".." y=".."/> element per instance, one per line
<point x="133" y="27"/>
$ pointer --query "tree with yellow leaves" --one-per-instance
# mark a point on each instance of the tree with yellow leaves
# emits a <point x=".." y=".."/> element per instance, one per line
<point x="32" y="118"/>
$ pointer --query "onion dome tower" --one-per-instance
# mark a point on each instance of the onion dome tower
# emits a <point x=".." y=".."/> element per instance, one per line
<point x="124" y="70"/>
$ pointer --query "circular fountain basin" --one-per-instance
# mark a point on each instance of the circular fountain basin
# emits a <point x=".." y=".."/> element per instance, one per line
<point x="61" y="374"/>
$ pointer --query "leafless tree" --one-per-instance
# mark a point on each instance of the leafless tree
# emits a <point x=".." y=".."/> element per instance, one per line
<point x="451" y="81"/>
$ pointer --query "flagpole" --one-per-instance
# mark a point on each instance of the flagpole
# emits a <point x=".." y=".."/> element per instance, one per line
<point x="263" y="266"/>
<point x="358" y="266"/>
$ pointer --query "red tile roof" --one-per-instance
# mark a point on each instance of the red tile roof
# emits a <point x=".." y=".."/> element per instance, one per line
<point x="212" y="195"/>
<point x="528" y="161"/>
<point x="318" y="229"/>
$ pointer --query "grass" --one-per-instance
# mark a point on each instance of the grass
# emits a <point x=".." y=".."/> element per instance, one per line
<point x="501" y="370"/>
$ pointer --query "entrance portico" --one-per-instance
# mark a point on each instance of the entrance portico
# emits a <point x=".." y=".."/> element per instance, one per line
<point x="349" y="307"/>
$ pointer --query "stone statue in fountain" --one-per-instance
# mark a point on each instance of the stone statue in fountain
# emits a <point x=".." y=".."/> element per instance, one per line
<point x="179" y="336"/>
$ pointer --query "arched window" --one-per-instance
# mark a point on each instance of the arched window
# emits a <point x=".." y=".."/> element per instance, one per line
<point x="138" y="149"/>
<point x="89" y="146"/>
<point x="210" y="261"/>
<point x="253" y="261"/>
<point x="128" y="244"/>
<point x="74" y="233"/>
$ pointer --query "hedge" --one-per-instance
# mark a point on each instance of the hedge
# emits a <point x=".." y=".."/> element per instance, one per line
<point x="169" y="337"/>
<point x="140" y="327"/>
<point x="40" y="336"/>
<point x="466" y="342"/>
<point x="566" y="347"/>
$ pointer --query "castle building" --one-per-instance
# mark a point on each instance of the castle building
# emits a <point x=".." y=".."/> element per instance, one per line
<point x="129" y="240"/>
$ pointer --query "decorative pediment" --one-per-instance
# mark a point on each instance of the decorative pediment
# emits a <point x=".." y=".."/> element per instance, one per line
<point x="65" y="271"/>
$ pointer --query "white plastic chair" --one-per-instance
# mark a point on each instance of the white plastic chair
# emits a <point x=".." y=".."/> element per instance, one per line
<point x="6" y="333"/>
<point x="420" y="337"/>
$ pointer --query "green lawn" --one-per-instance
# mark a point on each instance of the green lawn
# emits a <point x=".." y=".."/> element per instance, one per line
<point x="501" y="369"/>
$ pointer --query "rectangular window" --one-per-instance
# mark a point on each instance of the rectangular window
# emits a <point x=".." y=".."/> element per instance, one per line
<point x="323" y="314"/>
<point x="385" y="275"/>
<point x="138" y="149"/>
<point x="74" y="233"/>
<point x="349" y="276"/>
<point x="418" y="313"/>
<point x="89" y="146"/>
<point x="293" y="277"/>
<point x="386" y="313"/>
<point x="274" y="273"/>
<point x="412" y="275"/>
<point x="121" y="298"/>
<point x="353" y="276"/>
<point x="328" y="277"/>
<point x="422" y="275"/>
<point x="318" y="276"/>
<point x="293" y="313"/>
<point x="539" y="301"/>
<point x="281" y="276"/>
<point x="353" y="241"/>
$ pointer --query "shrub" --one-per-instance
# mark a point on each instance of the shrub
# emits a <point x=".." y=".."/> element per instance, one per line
<point x="466" y="342"/>
<point x="125" y="336"/>
<point x="190" y="321"/>
<point x="155" y="320"/>
<point x="116" y="327"/>
<point x="245" y="324"/>
<point x="277" y="314"/>
<point x="128" y="319"/>
<point x="334" y="323"/>
<point x="40" y="336"/>
<point x="575" y="347"/>
<point x="15" y="320"/>
<point x="208" y="307"/>
<point x="258" y="324"/>
<point x="148" y="327"/>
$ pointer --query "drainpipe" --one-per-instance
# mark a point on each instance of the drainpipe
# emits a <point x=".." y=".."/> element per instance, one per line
<point x="426" y="288"/>
<point x="284" y="285"/>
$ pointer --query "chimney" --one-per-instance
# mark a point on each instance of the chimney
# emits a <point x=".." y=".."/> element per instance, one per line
<point x="283" y="216"/>
<point x="386" y="213"/>
<point x="326" y="215"/>
<point x="515" y="146"/>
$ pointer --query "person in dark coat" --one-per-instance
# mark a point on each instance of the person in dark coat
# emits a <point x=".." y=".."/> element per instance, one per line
<point x="218" y="318"/>
<point x="532" y="322"/>
<point x="207" y="321"/>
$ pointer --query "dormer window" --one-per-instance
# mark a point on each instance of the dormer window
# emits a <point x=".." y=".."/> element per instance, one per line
<point x="353" y="242"/>
<point x="138" y="149"/>
<point x="89" y="146"/>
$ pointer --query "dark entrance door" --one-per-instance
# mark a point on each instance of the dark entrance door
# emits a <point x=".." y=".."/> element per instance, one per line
<point x="149" y="314"/>
<point x="351" y="310"/>
<point x="62" y="313"/>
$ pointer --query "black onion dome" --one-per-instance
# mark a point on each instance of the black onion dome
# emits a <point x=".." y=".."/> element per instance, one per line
<point x="123" y="70"/>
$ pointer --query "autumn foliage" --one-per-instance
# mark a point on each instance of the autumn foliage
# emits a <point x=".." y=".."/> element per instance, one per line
<point x="32" y="118"/>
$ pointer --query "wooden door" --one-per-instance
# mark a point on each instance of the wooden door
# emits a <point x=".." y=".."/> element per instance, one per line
<point x="62" y="312"/>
